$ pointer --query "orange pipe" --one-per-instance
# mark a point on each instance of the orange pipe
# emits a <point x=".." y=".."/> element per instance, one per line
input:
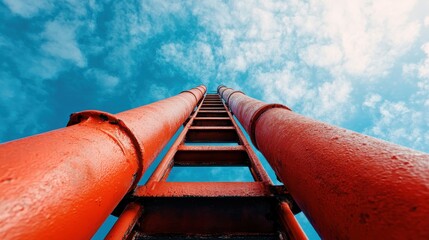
<point x="292" y="227"/>
<point x="125" y="223"/>
<point x="64" y="183"/>
<point x="350" y="186"/>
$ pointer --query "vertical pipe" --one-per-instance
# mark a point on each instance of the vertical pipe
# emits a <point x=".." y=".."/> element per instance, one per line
<point x="125" y="223"/>
<point x="290" y="224"/>
<point x="66" y="182"/>
<point x="351" y="186"/>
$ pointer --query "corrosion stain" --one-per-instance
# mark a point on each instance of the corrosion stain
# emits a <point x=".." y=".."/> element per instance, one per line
<point x="363" y="217"/>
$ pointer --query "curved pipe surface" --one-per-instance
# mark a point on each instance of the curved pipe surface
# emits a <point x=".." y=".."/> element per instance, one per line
<point x="349" y="185"/>
<point x="65" y="183"/>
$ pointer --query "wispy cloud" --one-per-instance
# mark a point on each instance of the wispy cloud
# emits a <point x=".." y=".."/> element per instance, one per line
<point x="28" y="9"/>
<point x="400" y="124"/>
<point x="195" y="59"/>
<point x="105" y="81"/>
<point x="60" y="42"/>
<point x="372" y="100"/>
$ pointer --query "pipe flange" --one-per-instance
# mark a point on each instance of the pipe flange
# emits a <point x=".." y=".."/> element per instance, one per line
<point x="79" y="117"/>
<point x="255" y="117"/>
<point x="199" y="90"/>
<point x="220" y="87"/>
<point x="193" y="94"/>
<point x="224" y="89"/>
<point x="227" y="101"/>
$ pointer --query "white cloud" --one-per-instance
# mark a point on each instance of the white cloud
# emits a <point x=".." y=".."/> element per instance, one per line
<point x="106" y="81"/>
<point x="250" y="33"/>
<point x="159" y="92"/>
<point x="402" y="125"/>
<point x="355" y="41"/>
<point x="28" y="8"/>
<point x="426" y="21"/>
<point x="370" y="35"/>
<point x="419" y="72"/>
<point x="329" y="101"/>
<point x="332" y="102"/>
<point x="371" y="100"/>
<point x="322" y="55"/>
<point x="195" y="59"/>
<point x="348" y="37"/>
<point x="283" y="86"/>
<point x="423" y="68"/>
<point x="61" y="42"/>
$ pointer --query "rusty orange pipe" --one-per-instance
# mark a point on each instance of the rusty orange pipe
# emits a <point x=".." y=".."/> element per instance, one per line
<point x="292" y="227"/>
<point x="126" y="222"/>
<point x="64" y="183"/>
<point x="349" y="185"/>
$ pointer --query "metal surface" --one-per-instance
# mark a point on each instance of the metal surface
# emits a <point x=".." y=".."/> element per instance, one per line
<point x="66" y="182"/>
<point x="288" y="222"/>
<point x="126" y="222"/>
<point x="208" y="215"/>
<point x="350" y="186"/>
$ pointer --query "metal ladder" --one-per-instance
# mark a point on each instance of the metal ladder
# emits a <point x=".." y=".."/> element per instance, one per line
<point x="209" y="210"/>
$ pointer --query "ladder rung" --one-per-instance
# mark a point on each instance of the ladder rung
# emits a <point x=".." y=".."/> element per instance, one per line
<point x="205" y="113"/>
<point x="211" y="156"/>
<point x="213" y="101"/>
<point x="212" y="128"/>
<point x="207" y="209"/>
<point x="212" y="134"/>
<point x="204" y="189"/>
<point x="212" y="111"/>
<point x="212" y="104"/>
<point x="231" y="236"/>
<point x="212" y="118"/>
<point x="212" y="108"/>
<point x="212" y="121"/>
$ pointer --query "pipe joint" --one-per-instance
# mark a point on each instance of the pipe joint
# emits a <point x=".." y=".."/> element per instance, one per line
<point x="201" y="91"/>
<point x="229" y="96"/>
<point x="255" y="117"/>
<point x="222" y="89"/>
<point x="193" y="94"/>
<point x="76" y="118"/>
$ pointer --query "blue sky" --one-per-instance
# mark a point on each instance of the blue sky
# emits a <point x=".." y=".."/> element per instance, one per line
<point x="362" y="65"/>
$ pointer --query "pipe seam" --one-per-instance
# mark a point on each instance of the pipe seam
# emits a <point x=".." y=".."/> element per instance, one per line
<point x="78" y="117"/>
<point x="224" y="89"/>
<point x="220" y="87"/>
<point x="236" y="91"/>
<point x="188" y="91"/>
<point x="255" y="117"/>
<point x="199" y="90"/>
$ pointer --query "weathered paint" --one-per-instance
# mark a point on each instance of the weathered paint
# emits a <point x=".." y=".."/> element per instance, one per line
<point x="124" y="225"/>
<point x="289" y="222"/>
<point x="350" y="186"/>
<point x="66" y="182"/>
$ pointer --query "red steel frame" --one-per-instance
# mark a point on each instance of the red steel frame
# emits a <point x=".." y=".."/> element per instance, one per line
<point x="235" y="210"/>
